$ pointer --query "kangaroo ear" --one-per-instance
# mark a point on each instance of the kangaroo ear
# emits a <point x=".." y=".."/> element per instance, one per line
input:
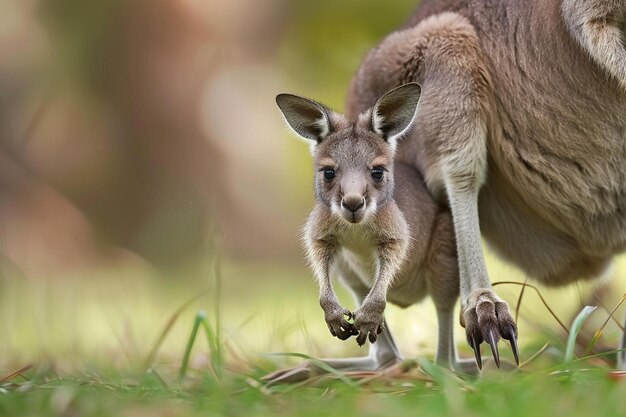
<point x="394" y="112"/>
<point x="307" y="118"/>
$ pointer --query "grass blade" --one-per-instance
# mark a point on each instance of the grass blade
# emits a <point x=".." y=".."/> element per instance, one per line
<point x="578" y="323"/>
<point x="519" y="301"/>
<point x="215" y="347"/>
<point x="167" y="328"/>
<point x="192" y="338"/>
<point x="15" y="373"/>
<point x="534" y="356"/>
<point x="216" y="337"/>
<point x="540" y="297"/>
<point x="598" y="332"/>
<point x="321" y="364"/>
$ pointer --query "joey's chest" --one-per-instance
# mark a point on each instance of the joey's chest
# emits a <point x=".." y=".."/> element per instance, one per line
<point x="359" y="250"/>
<point x="358" y="243"/>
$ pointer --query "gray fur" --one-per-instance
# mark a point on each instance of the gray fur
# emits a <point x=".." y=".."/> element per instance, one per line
<point x="520" y="136"/>
<point x="522" y="129"/>
<point x="398" y="247"/>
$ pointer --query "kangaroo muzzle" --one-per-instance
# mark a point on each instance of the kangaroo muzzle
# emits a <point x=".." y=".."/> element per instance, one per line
<point x="353" y="208"/>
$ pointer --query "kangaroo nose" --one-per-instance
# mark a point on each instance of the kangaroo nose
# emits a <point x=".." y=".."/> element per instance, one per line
<point x="352" y="202"/>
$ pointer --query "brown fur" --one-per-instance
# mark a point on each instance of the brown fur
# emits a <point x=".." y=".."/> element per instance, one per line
<point x="554" y="194"/>
<point x="520" y="136"/>
<point x="545" y="83"/>
<point x="398" y="247"/>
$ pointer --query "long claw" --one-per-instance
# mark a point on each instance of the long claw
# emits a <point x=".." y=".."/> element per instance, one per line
<point x="511" y="336"/>
<point x="494" y="348"/>
<point x="476" y="347"/>
<point x="515" y="351"/>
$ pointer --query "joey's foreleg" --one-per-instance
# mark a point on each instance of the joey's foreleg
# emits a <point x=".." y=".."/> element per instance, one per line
<point x="383" y="354"/>
<point x="321" y="253"/>
<point x="369" y="317"/>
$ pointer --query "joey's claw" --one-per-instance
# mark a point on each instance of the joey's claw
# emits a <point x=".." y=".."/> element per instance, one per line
<point x="337" y="324"/>
<point x="368" y="321"/>
<point x="343" y="334"/>
<point x="487" y="318"/>
<point x="365" y="334"/>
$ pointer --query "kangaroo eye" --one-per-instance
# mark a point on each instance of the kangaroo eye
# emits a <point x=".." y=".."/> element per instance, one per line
<point x="378" y="173"/>
<point x="329" y="174"/>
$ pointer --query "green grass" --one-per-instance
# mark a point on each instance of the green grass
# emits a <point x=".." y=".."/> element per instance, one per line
<point x="158" y="348"/>
<point x="584" y="391"/>
<point x="549" y="383"/>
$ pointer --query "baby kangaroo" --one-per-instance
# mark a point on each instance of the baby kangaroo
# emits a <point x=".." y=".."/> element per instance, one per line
<point x="374" y="226"/>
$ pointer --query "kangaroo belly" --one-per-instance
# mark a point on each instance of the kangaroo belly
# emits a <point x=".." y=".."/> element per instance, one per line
<point x="567" y="165"/>
<point x="576" y="214"/>
<point x="408" y="288"/>
<point x="545" y="252"/>
<point x="557" y="138"/>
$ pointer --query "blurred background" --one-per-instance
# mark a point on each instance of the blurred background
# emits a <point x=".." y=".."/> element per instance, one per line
<point x="140" y="144"/>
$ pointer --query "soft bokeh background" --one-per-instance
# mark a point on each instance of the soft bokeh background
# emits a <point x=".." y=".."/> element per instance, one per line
<point x="140" y="142"/>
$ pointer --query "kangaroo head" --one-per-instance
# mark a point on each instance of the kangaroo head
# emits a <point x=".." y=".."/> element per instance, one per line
<point x="353" y="158"/>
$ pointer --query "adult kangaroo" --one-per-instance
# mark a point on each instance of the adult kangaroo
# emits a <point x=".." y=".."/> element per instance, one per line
<point x="520" y="131"/>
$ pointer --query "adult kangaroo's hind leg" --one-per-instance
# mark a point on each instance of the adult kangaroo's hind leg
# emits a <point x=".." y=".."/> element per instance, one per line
<point x="442" y="277"/>
<point x="456" y="73"/>
<point x="448" y="145"/>
<point x="443" y="54"/>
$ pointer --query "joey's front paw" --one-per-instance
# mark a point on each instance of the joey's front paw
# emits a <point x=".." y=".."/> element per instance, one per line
<point x="487" y="318"/>
<point x="369" y="321"/>
<point x="337" y="320"/>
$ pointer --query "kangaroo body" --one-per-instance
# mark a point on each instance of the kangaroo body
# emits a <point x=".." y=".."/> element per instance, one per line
<point x="521" y="128"/>
<point x="520" y="138"/>
<point x="552" y="200"/>
<point x="430" y="266"/>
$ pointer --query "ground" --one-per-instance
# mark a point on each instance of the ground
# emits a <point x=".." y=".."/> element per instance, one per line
<point x="122" y="344"/>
